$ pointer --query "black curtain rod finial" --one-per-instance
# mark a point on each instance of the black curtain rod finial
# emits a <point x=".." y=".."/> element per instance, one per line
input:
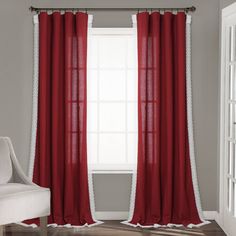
<point x="192" y="8"/>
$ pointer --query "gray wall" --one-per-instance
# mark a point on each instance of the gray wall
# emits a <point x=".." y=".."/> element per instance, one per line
<point x="16" y="50"/>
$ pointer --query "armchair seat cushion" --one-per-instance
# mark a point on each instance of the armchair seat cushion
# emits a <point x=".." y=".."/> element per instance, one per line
<point x="23" y="201"/>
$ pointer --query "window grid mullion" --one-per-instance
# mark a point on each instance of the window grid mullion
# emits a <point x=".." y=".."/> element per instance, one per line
<point x="126" y="105"/>
<point x="98" y="104"/>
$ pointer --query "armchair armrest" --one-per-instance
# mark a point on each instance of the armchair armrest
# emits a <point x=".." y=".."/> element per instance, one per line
<point x="16" y="166"/>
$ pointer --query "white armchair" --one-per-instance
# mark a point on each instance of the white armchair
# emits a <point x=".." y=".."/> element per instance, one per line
<point x="20" y="199"/>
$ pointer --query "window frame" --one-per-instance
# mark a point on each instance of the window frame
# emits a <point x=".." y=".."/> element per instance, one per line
<point x="102" y="168"/>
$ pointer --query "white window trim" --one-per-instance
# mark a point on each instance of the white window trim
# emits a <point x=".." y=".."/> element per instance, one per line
<point x="228" y="19"/>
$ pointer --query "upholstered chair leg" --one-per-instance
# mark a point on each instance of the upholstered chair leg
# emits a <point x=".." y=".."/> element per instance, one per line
<point x="1" y="230"/>
<point x="43" y="226"/>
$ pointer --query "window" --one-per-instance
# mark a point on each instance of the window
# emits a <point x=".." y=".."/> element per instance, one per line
<point x="112" y="99"/>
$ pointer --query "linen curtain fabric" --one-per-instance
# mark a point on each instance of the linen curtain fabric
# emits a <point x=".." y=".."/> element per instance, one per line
<point x="61" y="148"/>
<point x="164" y="188"/>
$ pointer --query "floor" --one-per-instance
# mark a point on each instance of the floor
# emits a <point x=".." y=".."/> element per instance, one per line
<point x="114" y="228"/>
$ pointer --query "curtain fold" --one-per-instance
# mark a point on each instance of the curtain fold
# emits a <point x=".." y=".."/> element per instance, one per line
<point x="61" y="145"/>
<point x="164" y="187"/>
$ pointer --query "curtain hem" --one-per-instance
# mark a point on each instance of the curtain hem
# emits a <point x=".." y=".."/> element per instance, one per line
<point x="204" y="222"/>
<point x="65" y="226"/>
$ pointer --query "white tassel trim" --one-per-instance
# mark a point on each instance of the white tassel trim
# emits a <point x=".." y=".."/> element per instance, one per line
<point x="190" y="120"/>
<point x="91" y="199"/>
<point x="35" y="97"/>
<point x="165" y="226"/>
<point x="63" y="226"/>
<point x="134" y="175"/>
<point x="90" y="175"/>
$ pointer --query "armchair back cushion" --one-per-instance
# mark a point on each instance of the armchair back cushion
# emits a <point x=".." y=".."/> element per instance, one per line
<point x="5" y="162"/>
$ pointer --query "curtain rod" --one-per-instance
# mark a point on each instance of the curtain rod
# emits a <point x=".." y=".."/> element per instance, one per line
<point x="185" y="9"/>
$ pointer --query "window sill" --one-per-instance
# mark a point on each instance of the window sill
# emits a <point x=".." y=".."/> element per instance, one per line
<point x="112" y="172"/>
<point x="112" y="169"/>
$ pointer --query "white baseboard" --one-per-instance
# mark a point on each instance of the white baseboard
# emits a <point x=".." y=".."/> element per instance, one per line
<point x="210" y="215"/>
<point x="111" y="215"/>
<point x="123" y="215"/>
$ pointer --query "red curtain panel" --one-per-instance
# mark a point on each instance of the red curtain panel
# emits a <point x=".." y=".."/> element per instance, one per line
<point x="61" y="154"/>
<point x="164" y="190"/>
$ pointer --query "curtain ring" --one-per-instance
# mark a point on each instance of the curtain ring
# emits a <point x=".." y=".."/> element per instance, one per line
<point x="138" y="10"/>
<point x="86" y="10"/>
<point x="49" y="12"/>
<point x="175" y="12"/>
